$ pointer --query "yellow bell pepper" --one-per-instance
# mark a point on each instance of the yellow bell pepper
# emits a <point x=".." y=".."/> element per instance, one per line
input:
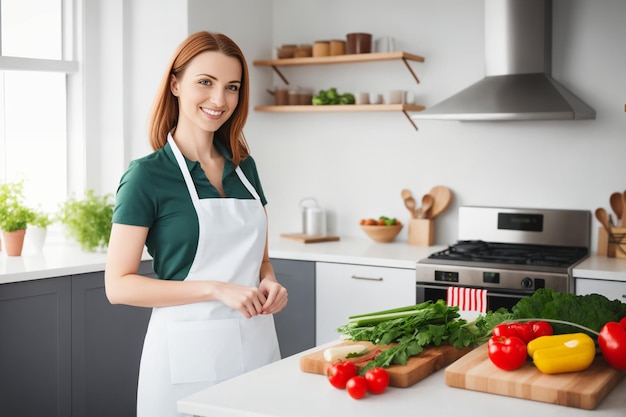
<point x="562" y="353"/>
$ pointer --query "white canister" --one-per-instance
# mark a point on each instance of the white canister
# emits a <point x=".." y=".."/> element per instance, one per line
<point x="314" y="221"/>
<point x="313" y="217"/>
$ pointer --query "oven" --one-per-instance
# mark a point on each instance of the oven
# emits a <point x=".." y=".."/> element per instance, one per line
<point x="510" y="252"/>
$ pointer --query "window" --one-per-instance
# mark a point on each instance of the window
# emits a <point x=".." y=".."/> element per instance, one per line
<point x="35" y="70"/>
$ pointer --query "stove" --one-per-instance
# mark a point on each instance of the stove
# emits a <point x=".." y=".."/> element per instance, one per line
<point x="511" y="252"/>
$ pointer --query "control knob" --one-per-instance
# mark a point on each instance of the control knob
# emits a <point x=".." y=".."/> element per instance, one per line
<point x="527" y="282"/>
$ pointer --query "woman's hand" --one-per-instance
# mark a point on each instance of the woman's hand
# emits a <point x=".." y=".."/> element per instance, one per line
<point x="248" y="300"/>
<point x="275" y="294"/>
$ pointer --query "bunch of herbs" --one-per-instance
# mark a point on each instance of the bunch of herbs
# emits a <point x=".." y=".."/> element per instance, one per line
<point x="411" y="329"/>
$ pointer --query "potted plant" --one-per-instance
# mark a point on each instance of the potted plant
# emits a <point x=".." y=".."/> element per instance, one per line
<point x="88" y="220"/>
<point x="14" y="217"/>
<point x="38" y="228"/>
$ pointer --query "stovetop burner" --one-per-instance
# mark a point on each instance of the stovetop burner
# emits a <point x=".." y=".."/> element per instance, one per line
<point x="511" y="253"/>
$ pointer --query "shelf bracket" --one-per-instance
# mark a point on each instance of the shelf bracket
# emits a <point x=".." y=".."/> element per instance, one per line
<point x="280" y="74"/>
<point x="410" y="120"/>
<point x="410" y="70"/>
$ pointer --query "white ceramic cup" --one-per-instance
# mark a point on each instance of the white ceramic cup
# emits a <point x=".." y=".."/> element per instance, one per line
<point x="384" y="44"/>
<point x="395" y="97"/>
<point x="376" y="98"/>
<point x="362" y="98"/>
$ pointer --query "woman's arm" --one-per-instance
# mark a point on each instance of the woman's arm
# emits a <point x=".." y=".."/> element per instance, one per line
<point x="124" y="286"/>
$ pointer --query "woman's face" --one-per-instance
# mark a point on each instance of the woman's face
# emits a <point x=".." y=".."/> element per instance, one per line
<point x="207" y="91"/>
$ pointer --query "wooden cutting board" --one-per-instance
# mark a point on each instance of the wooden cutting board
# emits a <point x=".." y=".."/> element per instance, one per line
<point x="304" y="238"/>
<point x="417" y="368"/>
<point x="584" y="389"/>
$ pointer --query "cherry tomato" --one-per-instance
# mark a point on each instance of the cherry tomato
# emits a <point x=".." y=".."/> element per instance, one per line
<point x="612" y="342"/>
<point x="357" y="387"/>
<point x="377" y="380"/>
<point x="340" y="372"/>
<point x="507" y="353"/>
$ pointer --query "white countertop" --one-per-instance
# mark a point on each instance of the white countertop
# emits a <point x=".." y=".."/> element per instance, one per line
<point x="283" y="390"/>
<point x="352" y="251"/>
<point x="61" y="258"/>
<point x="601" y="267"/>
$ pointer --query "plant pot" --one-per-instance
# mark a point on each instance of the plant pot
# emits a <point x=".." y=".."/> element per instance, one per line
<point x="36" y="237"/>
<point x="14" y="242"/>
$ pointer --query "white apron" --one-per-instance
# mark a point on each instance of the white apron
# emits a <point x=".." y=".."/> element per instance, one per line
<point x="191" y="347"/>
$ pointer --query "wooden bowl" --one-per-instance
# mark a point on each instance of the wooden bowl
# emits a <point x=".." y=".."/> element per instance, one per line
<point x="382" y="234"/>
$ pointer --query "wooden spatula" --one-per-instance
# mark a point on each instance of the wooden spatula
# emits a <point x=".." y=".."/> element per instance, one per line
<point x="442" y="196"/>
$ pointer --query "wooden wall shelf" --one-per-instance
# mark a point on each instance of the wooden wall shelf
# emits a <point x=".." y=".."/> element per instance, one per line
<point x="342" y="59"/>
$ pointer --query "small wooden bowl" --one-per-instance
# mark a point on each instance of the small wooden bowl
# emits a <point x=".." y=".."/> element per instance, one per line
<point x="382" y="234"/>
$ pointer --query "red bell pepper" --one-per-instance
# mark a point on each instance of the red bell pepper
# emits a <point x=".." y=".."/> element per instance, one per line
<point x="612" y="342"/>
<point x="526" y="331"/>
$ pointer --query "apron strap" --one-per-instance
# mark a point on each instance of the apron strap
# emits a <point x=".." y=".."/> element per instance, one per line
<point x="183" y="168"/>
<point x="247" y="183"/>
<point x="191" y="186"/>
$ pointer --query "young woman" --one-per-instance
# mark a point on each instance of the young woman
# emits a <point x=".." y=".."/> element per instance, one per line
<point x="197" y="204"/>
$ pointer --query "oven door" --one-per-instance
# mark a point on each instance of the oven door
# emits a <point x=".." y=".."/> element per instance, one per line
<point x="496" y="298"/>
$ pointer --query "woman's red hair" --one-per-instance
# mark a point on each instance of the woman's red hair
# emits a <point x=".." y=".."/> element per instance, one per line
<point x="165" y="108"/>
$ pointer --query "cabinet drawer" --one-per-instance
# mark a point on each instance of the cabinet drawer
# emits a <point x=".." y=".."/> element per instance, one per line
<point x="610" y="289"/>
<point x="343" y="290"/>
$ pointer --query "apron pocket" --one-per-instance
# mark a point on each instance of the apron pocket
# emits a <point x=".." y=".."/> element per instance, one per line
<point x="206" y="350"/>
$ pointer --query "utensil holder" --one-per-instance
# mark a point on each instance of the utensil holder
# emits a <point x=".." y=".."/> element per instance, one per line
<point x="613" y="244"/>
<point x="421" y="232"/>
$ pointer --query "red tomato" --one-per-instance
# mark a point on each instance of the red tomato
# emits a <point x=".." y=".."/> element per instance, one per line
<point x="340" y="372"/>
<point x="525" y="331"/>
<point x="377" y="380"/>
<point x="612" y="341"/>
<point x="357" y="387"/>
<point x="507" y="353"/>
<point x="541" y="328"/>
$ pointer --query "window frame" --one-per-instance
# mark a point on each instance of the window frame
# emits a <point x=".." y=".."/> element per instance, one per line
<point x="72" y="26"/>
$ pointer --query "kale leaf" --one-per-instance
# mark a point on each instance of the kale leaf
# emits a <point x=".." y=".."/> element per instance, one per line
<point x="592" y="310"/>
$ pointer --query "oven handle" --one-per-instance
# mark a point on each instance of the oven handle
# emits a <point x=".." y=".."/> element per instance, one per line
<point x="516" y="294"/>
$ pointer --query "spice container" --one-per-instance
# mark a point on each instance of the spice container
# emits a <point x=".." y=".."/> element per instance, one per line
<point x="286" y="51"/>
<point x="321" y="48"/>
<point x="337" y="47"/>
<point x="303" y="51"/>
<point x="281" y="96"/>
<point x="359" y="43"/>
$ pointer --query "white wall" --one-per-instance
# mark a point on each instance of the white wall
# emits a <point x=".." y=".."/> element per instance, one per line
<point x="357" y="163"/>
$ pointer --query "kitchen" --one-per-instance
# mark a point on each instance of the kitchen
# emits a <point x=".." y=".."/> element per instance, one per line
<point x="551" y="164"/>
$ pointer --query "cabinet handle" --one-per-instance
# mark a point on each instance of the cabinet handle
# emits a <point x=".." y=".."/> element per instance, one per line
<point x="367" y="278"/>
<point x="623" y="295"/>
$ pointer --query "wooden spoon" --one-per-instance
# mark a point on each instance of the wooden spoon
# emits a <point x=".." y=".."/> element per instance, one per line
<point x="427" y="204"/>
<point x="617" y="205"/>
<point x="442" y="196"/>
<point x="603" y="218"/>
<point x="623" y="207"/>
<point x="410" y="204"/>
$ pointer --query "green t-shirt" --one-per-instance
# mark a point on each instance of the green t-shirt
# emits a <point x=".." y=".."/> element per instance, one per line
<point x="152" y="193"/>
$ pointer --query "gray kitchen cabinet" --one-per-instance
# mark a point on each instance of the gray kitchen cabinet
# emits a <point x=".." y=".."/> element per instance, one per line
<point x="107" y="341"/>
<point x="295" y="324"/>
<point x="343" y="290"/>
<point x="35" y="348"/>
<point x="613" y="290"/>
<point x="66" y="351"/>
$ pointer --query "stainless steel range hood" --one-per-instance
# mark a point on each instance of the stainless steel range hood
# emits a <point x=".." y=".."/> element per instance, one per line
<point x="518" y="84"/>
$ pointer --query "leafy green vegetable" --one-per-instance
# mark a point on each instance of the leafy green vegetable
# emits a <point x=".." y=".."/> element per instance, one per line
<point x="592" y="310"/>
<point x="331" y="96"/>
<point x="415" y="327"/>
